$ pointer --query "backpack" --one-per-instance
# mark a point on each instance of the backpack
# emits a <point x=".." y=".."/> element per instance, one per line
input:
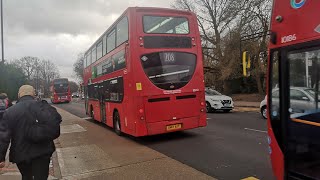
<point x="44" y="124"/>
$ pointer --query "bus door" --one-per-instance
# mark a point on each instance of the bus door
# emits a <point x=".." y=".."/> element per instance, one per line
<point x="302" y="141"/>
<point x="299" y="135"/>
<point x="102" y="102"/>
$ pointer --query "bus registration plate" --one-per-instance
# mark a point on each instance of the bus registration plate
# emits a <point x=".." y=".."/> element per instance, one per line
<point x="174" y="127"/>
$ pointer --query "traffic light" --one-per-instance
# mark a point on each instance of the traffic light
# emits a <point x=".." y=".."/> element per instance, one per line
<point x="246" y="63"/>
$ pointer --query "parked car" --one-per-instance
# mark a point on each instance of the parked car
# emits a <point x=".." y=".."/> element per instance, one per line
<point x="302" y="99"/>
<point x="263" y="108"/>
<point x="216" y="101"/>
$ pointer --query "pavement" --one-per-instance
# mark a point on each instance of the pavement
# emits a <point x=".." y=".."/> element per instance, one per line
<point x="244" y="106"/>
<point x="86" y="150"/>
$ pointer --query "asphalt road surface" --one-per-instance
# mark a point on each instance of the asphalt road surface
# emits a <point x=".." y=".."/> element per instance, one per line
<point x="232" y="146"/>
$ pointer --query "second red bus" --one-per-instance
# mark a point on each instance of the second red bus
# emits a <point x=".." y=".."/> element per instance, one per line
<point x="144" y="75"/>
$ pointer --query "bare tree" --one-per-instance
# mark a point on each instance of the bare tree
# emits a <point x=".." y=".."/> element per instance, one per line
<point x="74" y="87"/>
<point x="78" y="66"/>
<point x="216" y="18"/>
<point x="48" y="71"/>
<point x="39" y="73"/>
<point x="28" y="64"/>
<point x="259" y="21"/>
<point x="221" y="24"/>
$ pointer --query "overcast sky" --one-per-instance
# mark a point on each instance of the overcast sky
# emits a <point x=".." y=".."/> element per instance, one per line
<point x="59" y="30"/>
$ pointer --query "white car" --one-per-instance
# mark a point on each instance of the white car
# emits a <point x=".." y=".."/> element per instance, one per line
<point x="301" y="100"/>
<point x="216" y="101"/>
<point x="263" y="108"/>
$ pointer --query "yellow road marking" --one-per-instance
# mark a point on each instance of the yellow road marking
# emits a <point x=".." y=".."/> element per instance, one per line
<point x="250" y="178"/>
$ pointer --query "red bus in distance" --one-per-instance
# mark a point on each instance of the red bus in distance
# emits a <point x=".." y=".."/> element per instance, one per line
<point x="144" y="75"/>
<point x="60" y="91"/>
<point x="293" y="90"/>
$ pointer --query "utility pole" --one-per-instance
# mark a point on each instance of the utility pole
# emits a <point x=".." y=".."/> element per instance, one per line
<point x="2" y="46"/>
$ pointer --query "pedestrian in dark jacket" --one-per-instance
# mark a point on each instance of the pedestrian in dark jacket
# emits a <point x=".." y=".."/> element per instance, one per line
<point x="5" y="103"/>
<point x="5" y="96"/>
<point x="32" y="158"/>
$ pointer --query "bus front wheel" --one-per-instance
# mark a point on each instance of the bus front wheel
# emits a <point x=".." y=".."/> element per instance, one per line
<point x="116" y="123"/>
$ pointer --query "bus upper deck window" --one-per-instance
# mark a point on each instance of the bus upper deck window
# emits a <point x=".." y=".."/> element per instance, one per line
<point x="165" y="25"/>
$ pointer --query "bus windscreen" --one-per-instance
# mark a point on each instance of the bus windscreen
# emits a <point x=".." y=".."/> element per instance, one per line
<point x="169" y="70"/>
<point x="61" y="85"/>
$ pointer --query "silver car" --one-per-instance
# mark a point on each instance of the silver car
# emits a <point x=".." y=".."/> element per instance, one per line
<point x="301" y="100"/>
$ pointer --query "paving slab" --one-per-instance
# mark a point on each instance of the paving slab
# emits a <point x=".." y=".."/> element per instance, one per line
<point x="84" y="159"/>
<point x="72" y="128"/>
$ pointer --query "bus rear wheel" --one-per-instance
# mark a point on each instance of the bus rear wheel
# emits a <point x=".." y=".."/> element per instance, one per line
<point x="116" y="123"/>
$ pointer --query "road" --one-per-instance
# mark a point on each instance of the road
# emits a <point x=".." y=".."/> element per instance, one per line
<point x="232" y="146"/>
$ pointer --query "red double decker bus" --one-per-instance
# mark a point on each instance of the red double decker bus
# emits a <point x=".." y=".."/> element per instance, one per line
<point x="60" y="91"/>
<point x="144" y="75"/>
<point x="293" y="89"/>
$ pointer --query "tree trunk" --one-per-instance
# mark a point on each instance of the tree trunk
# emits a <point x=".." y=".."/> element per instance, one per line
<point x="259" y="84"/>
<point x="258" y="67"/>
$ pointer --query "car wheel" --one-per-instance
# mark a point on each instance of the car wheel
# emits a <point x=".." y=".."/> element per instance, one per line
<point x="208" y="107"/>
<point x="264" y="112"/>
<point x="116" y="123"/>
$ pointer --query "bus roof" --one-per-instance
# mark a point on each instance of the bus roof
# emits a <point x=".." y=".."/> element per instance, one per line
<point x="61" y="79"/>
<point x="156" y="9"/>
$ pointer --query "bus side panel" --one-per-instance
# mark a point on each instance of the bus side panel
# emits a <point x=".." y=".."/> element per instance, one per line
<point x="97" y="110"/>
<point x="134" y="119"/>
<point x="120" y="109"/>
<point x="139" y="117"/>
<point x="127" y="122"/>
<point x="94" y="104"/>
<point x="203" y="114"/>
<point x="109" y="114"/>
<point x="128" y="100"/>
<point x="276" y="156"/>
<point x="130" y="112"/>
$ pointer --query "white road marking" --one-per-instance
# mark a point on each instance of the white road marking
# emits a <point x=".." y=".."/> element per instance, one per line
<point x="86" y="118"/>
<point x="256" y="130"/>
<point x="208" y="118"/>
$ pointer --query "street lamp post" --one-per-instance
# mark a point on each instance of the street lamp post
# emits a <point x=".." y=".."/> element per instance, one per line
<point x="2" y="33"/>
